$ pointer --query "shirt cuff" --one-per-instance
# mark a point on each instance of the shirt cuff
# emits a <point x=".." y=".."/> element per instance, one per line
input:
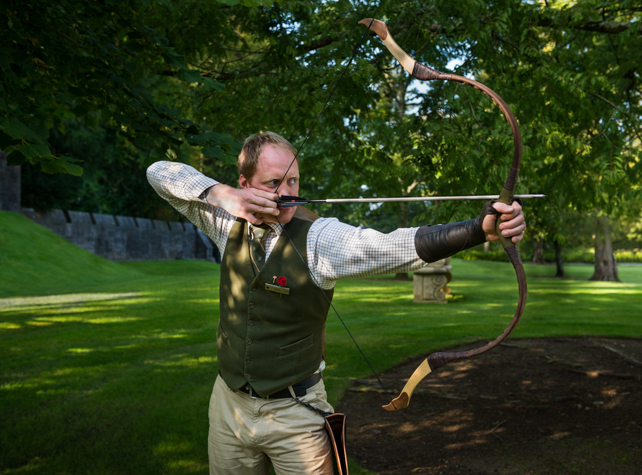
<point x="203" y="196"/>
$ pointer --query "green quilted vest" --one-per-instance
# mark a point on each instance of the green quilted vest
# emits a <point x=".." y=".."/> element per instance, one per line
<point x="267" y="339"/>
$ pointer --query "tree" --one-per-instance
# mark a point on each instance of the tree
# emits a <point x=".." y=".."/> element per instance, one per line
<point x="113" y="181"/>
<point x="578" y="68"/>
<point x="570" y="72"/>
<point x="94" y="60"/>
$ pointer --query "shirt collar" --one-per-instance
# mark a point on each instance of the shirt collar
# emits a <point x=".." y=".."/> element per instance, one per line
<point x="276" y="227"/>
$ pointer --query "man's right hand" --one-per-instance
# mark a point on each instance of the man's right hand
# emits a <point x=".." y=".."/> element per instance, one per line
<point x="247" y="203"/>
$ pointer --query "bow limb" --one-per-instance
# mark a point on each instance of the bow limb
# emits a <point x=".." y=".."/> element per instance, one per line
<point x="424" y="73"/>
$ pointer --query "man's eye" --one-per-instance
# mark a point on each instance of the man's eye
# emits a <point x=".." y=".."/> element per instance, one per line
<point x="293" y="181"/>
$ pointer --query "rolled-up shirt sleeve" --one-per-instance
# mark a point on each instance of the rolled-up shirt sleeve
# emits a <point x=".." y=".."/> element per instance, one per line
<point x="183" y="187"/>
<point x="339" y="251"/>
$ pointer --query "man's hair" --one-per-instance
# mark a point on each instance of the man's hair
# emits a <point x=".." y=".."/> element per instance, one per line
<point x="252" y="148"/>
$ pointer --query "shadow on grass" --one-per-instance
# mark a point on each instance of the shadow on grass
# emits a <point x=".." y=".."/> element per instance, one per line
<point x="114" y="382"/>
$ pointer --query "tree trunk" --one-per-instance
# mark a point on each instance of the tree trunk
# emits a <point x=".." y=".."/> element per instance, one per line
<point x="558" y="260"/>
<point x="538" y="252"/>
<point x="605" y="266"/>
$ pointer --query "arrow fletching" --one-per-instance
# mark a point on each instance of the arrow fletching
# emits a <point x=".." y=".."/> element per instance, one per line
<point x="291" y="201"/>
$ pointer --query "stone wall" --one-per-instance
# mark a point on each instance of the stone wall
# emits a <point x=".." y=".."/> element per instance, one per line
<point x="124" y="238"/>
<point x="119" y="238"/>
<point x="9" y="186"/>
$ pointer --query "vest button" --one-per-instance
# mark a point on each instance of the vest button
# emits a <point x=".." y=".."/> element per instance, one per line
<point x="253" y="288"/>
<point x="248" y="359"/>
<point x="249" y="341"/>
<point x="247" y="375"/>
<point x="250" y="323"/>
<point x="251" y="304"/>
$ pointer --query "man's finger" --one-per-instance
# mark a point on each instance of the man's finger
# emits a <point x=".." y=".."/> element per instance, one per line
<point x="266" y="203"/>
<point x="266" y="195"/>
<point x="253" y="219"/>
<point x="514" y="231"/>
<point x="504" y="208"/>
<point x="267" y="210"/>
<point x="511" y="222"/>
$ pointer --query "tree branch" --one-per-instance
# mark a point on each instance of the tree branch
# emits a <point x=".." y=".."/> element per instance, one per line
<point x="606" y="26"/>
<point x="604" y="99"/>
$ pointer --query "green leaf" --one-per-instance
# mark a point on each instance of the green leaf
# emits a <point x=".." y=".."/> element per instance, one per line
<point x="31" y="151"/>
<point x="15" y="159"/>
<point x="105" y="113"/>
<point x="230" y="159"/>
<point x="211" y="84"/>
<point x="14" y="128"/>
<point x="51" y="167"/>
<point x="174" y="59"/>
<point x="200" y="138"/>
<point x="62" y="164"/>
<point x="70" y="167"/>
<point x="189" y="75"/>
<point x="143" y="142"/>
<point x="5" y="141"/>
<point x="213" y="152"/>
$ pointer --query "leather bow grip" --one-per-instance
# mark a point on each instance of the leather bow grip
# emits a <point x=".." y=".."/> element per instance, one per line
<point x="506" y="197"/>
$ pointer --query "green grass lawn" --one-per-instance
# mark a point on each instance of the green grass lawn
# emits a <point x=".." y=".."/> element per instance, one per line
<point x="107" y="368"/>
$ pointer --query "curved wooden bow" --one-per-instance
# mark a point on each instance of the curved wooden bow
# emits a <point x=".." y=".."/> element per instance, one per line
<point x="424" y="73"/>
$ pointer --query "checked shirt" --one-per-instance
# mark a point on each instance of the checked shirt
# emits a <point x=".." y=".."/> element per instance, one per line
<point x="335" y="250"/>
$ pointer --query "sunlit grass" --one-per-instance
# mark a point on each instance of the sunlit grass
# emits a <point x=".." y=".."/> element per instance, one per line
<point x="116" y="378"/>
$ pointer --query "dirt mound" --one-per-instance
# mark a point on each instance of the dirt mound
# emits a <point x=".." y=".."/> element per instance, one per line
<point x="531" y="406"/>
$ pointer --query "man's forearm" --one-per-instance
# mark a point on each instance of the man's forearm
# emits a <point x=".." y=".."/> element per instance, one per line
<point x="176" y="181"/>
<point x="443" y="240"/>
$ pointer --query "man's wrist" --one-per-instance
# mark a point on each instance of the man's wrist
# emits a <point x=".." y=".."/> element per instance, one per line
<point x="208" y="195"/>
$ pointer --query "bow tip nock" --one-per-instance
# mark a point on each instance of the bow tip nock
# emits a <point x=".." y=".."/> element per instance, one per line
<point x="377" y="26"/>
<point x="398" y="403"/>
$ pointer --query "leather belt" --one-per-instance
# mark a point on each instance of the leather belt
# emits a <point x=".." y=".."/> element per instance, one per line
<point x="300" y="389"/>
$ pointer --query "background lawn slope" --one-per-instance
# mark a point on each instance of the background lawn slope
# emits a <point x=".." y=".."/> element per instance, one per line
<point x="34" y="260"/>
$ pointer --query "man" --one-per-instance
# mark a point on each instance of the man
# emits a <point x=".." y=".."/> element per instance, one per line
<point x="274" y="300"/>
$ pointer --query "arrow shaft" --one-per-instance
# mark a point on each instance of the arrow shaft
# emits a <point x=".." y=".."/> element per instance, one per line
<point x="420" y="198"/>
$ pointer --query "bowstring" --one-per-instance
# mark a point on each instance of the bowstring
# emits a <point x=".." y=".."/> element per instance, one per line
<point x="334" y="88"/>
<point x="337" y="314"/>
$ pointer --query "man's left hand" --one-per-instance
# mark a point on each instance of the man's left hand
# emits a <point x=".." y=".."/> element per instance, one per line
<point x="513" y="224"/>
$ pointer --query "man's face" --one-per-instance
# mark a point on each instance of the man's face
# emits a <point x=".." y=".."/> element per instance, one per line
<point x="273" y="163"/>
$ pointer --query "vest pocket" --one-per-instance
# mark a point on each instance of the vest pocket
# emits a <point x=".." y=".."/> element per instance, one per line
<point x="297" y="346"/>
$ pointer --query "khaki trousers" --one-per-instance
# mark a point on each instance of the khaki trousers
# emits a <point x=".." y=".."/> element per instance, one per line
<point x="247" y="434"/>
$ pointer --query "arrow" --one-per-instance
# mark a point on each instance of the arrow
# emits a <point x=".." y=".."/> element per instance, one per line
<point x="290" y="201"/>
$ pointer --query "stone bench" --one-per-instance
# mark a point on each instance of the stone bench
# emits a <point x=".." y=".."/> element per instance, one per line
<point x="430" y="282"/>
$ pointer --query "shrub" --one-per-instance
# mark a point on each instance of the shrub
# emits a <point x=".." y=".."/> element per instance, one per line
<point x="628" y="256"/>
<point x="571" y="256"/>
<point x="475" y="255"/>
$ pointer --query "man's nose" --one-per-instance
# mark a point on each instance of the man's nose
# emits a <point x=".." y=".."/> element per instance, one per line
<point x="286" y="189"/>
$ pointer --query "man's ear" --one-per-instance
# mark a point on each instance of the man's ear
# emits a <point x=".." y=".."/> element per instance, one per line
<point x="243" y="182"/>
